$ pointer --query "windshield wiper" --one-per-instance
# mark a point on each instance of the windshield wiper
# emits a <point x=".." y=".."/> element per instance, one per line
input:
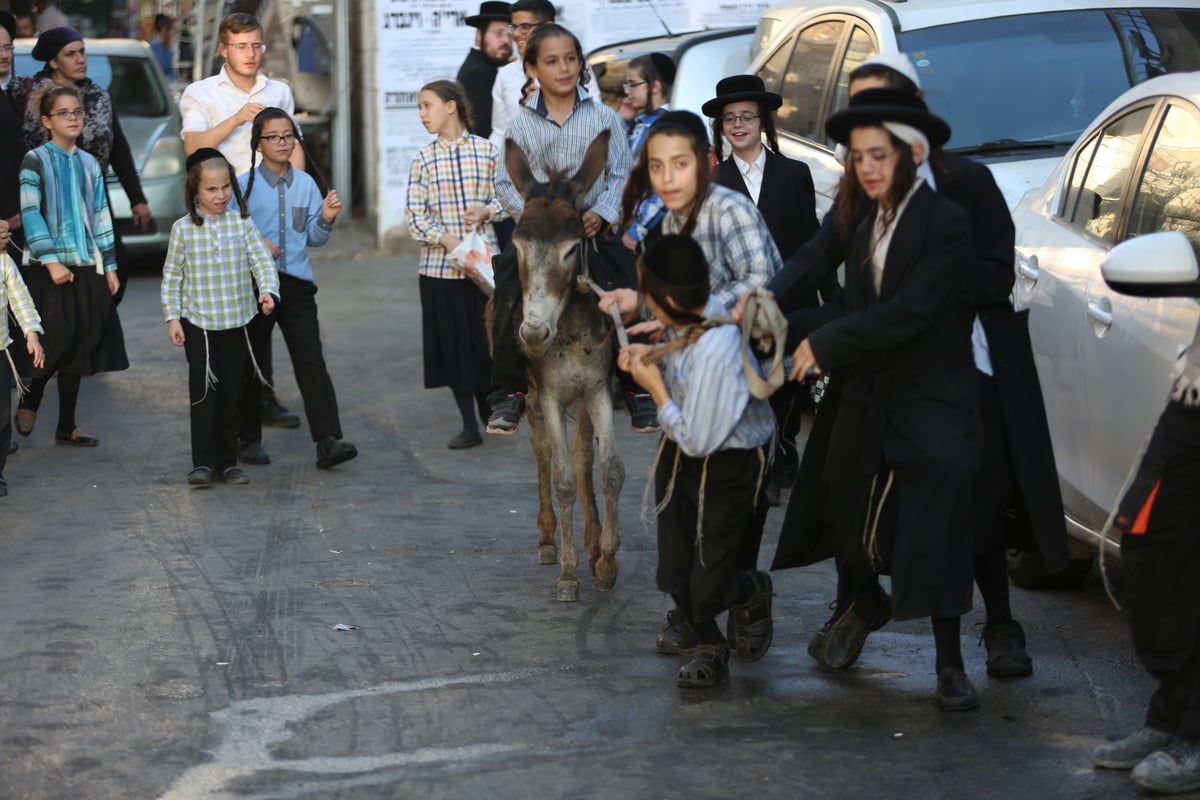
<point x="1006" y="145"/>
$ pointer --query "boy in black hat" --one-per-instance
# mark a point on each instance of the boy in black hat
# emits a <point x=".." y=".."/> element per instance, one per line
<point x="492" y="50"/>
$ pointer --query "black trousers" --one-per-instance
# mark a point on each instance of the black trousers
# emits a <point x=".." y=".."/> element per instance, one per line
<point x="6" y="387"/>
<point x="296" y="315"/>
<point x="705" y="569"/>
<point x="995" y="484"/>
<point x="215" y="407"/>
<point x="1161" y="565"/>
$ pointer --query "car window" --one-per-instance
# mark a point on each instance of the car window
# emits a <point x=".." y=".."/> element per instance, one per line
<point x="135" y="88"/>
<point x="1095" y="201"/>
<point x="858" y="50"/>
<point x="807" y="77"/>
<point x="1044" y="77"/>
<point x="772" y="71"/>
<point x="1168" y="194"/>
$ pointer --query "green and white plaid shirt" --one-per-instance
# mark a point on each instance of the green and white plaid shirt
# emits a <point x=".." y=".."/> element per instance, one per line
<point x="206" y="277"/>
<point x="15" y="296"/>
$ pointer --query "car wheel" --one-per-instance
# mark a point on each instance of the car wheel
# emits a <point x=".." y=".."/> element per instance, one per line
<point x="1027" y="569"/>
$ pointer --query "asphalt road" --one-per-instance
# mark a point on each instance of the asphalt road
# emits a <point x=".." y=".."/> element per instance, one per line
<point x="164" y="642"/>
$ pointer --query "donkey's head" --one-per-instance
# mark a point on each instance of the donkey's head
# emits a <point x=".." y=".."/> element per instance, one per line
<point x="549" y="238"/>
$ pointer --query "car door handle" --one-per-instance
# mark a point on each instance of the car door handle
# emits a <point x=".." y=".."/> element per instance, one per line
<point x="1027" y="268"/>
<point x="1100" y="312"/>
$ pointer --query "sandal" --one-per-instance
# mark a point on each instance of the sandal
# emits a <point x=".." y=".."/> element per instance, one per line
<point x="23" y="421"/>
<point x="708" y="667"/>
<point x="751" y="622"/>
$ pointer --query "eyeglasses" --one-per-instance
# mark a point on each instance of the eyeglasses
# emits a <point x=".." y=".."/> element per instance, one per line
<point x="65" y="115"/>
<point x="629" y="87"/>
<point x="872" y="156"/>
<point x="283" y="138"/>
<point x="733" y="119"/>
<point x="525" y="27"/>
<point x="8" y="48"/>
<point x="247" y="47"/>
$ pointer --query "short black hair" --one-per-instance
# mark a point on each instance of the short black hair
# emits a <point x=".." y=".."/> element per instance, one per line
<point x="542" y="9"/>
<point x="162" y="22"/>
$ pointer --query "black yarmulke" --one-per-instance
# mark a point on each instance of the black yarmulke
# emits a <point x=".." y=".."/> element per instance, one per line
<point x="677" y="261"/>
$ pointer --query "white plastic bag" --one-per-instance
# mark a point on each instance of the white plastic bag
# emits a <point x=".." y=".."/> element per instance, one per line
<point x="475" y="252"/>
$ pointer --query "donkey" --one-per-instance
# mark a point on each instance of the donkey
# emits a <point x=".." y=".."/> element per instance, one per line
<point x="568" y="343"/>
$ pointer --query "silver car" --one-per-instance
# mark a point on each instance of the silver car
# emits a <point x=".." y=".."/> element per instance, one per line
<point x="1104" y="358"/>
<point x="150" y="120"/>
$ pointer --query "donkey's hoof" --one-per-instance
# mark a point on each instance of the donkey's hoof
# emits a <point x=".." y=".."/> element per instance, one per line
<point x="605" y="583"/>
<point x="568" y="591"/>
<point x="547" y="554"/>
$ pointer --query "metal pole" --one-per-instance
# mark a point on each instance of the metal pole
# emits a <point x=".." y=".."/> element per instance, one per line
<point x="199" y="11"/>
<point x="341" y="120"/>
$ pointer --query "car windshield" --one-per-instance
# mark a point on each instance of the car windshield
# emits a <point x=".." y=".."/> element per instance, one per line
<point x="1038" y="80"/>
<point x="135" y="90"/>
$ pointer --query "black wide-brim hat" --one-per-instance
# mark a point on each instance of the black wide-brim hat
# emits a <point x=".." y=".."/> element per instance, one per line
<point x="739" y="89"/>
<point x="876" y="106"/>
<point x="9" y="23"/>
<point x="490" y="12"/>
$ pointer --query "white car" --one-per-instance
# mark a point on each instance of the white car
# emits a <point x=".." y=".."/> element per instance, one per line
<point x="1104" y="358"/>
<point x="1016" y="79"/>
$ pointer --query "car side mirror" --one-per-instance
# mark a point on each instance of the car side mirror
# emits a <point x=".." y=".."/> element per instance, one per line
<point x="1154" y="265"/>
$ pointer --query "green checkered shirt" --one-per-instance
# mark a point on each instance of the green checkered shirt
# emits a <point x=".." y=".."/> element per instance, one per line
<point x="15" y="296"/>
<point x="208" y="271"/>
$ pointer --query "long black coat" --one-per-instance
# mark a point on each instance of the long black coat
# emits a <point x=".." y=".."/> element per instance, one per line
<point x="12" y="152"/>
<point x="477" y="75"/>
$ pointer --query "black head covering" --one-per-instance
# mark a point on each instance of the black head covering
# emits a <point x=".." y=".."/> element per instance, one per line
<point x="9" y="23"/>
<point x="490" y="12"/>
<point x="677" y="261"/>
<point x="202" y="155"/>
<point x="51" y="42"/>
<point x="737" y="89"/>
<point x="876" y="106"/>
<point x="683" y="119"/>
<point x="664" y="66"/>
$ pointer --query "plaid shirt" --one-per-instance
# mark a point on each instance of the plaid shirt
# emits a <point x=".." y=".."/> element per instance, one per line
<point x="550" y="146"/>
<point x="206" y="277"/>
<point x="14" y="296"/>
<point x="447" y="178"/>
<point x="734" y="237"/>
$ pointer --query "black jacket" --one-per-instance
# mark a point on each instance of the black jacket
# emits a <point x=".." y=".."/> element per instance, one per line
<point x="477" y="75"/>
<point x="787" y="200"/>
<point x="12" y="152"/>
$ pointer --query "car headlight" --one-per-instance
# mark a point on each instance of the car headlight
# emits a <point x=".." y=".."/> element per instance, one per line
<point x="166" y="159"/>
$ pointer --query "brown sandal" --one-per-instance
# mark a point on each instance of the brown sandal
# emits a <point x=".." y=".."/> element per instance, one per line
<point x="708" y="667"/>
<point x="23" y="421"/>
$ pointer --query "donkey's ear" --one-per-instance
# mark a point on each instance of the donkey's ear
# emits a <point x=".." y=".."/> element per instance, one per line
<point x="592" y="167"/>
<point x="518" y="167"/>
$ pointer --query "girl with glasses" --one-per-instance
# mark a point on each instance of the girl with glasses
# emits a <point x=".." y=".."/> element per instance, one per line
<point x="72" y="271"/>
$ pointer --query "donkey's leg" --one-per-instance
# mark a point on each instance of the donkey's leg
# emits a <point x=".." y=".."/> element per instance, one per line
<point x="612" y="478"/>
<point x="547" y="550"/>
<point x="564" y="492"/>
<point x="582" y="455"/>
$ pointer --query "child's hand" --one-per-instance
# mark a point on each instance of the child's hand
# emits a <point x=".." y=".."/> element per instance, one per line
<point x="626" y="110"/>
<point x="476" y="215"/>
<point x="272" y="248"/>
<point x="60" y="274"/>
<point x="34" y="347"/>
<point x="649" y="376"/>
<point x="628" y="241"/>
<point x="804" y="363"/>
<point x="592" y="223"/>
<point x="114" y="282"/>
<point x="5" y="234"/>
<point x="331" y="206"/>
<point x="626" y="301"/>
<point x="267" y="302"/>
<point x="175" y="332"/>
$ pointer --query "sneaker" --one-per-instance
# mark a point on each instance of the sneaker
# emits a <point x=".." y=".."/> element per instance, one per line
<point x="643" y="413"/>
<point x="275" y="415"/>
<point x="1171" y="770"/>
<point x="676" y="636"/>
<point x="253" y="453"/>
<point x="506" y="414"/>
<point x="331" y="452"/>
<point x="1006" y="656"/>
<point x="954" y="690"/>
<point x="233" y="475"/>
<point x="200" y="478"/>
<point x="1127" y="753"/>
<point x="464" y="440"/>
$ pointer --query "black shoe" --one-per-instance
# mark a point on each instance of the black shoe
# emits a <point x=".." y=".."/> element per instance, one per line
<point x="773" y="489"/>
<point x="954" y="690"/>
<point x="464" y="440"/>
<point x="817" y="642"/>
<point x="753" y="628"/>
<point x="643" y="413"/>
<point x="1005" y="644"/>
<point x="843" y="642"/>
<point x="200" y="478"/>
<point x="708" y="667"/>
<point x="233" y="475"/>
<point x="13" y="447"/>
<point x="331" y="452"/>
<point x="506" y="414"/>
<point x="76" y="438"/>
<point x="253" y="453"/>
<point x="3" y="487"/>
<point x="676" y="636"/>
<point x="274" y="415"/>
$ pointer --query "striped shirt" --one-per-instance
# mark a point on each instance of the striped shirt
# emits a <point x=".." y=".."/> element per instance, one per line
<point x="286" y="209"/>
<point x="208" y="271"/>
<point x="734" y="237"/>
<point x="711" y="407"/>
<point x="64" y="208"/>
<point x="445" y="179"/>
<point x="550" y="146"/>
<point x="14" y="295"/>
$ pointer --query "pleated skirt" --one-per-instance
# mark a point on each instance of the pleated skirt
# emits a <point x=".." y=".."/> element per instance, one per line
<point x="454" y="337"/>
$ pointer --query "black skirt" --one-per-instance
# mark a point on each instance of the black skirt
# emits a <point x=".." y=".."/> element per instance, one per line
<point x="83" y="332"/>
<point x="455" y="341"/>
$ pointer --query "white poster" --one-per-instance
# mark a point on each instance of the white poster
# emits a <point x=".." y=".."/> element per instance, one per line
<point x="423" y="40"/>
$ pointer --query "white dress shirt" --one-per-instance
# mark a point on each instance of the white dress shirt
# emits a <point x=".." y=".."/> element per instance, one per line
<point x="207" y="103"/>
<point x="752" y="172"/>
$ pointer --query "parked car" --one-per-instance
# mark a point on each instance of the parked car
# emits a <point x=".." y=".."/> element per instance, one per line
<point x="1105" y="358"/>
<point x="150" y="120"/>
<point x="1016" y="81"/>
<point x="701" y="59"/>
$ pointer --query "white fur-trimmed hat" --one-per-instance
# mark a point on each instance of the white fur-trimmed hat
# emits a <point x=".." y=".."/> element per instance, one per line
<point x="900" y="62"/>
